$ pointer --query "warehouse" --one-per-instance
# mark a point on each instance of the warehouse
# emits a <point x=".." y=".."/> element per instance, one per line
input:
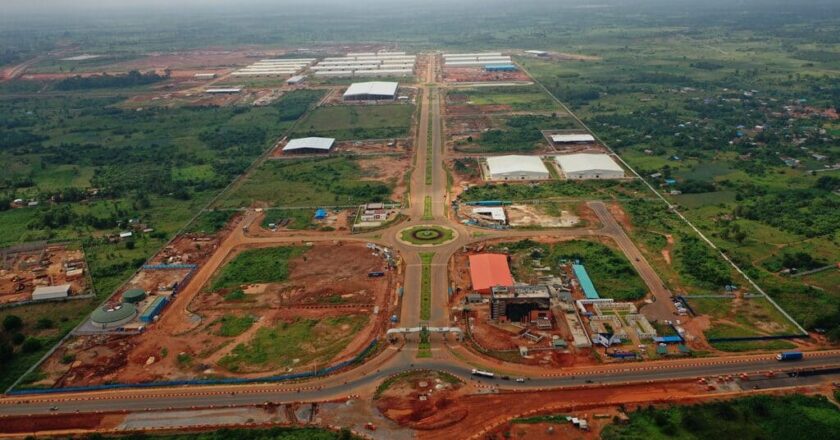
<point x="488" y="271"/>
<point x="516" y="167"/>
<point x="51" y="292"/>
<point x="574" y="138"/>
<point x="374" y="90"/>
<point x="589" y="166"/>
<point x="500" y="68"/>
<point x="309" y="145"/>
<point x="224" y="91"/>
<point x="152" y="310"/>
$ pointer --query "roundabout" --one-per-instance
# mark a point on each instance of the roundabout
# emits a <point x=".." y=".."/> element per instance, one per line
<point x="426" y="235"/>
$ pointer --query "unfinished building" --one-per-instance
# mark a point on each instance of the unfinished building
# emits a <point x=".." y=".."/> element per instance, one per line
<point x="524" y="304"/>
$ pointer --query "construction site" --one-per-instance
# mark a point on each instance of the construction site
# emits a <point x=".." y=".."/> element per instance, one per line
<point x="39" y="271"/>
<point x="547" y="315"/>
<point x="326" y="309"/>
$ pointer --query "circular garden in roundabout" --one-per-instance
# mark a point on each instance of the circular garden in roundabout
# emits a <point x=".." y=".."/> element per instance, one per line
<point x="427" y="235"/>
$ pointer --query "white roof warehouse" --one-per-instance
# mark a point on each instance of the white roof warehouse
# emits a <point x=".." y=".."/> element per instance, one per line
<point x="589" y="166"/>
<point x="309" y="144"/>
<point x="371" y="90"/>
<point x="516" y="167"/>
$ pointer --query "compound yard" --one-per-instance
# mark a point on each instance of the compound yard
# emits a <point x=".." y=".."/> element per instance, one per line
<point x="266" y="310"/>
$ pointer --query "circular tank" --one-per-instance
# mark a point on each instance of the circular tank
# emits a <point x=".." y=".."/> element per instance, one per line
<point x="133" y="295"/>
<point x="108" y="317"/>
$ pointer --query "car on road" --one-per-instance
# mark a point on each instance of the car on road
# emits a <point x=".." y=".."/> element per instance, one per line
<point x="520" y="379"/>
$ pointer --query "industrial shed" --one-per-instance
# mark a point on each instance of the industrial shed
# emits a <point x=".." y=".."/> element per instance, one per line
<point x="573" y="138"/>
<point x="51" y="292"/>
<point x="516" y="167"/>
<point x="488" y="271"/>
<point x="369" y="91"/>
<point x="589" y="166"/>
<point x="309" y="145"/>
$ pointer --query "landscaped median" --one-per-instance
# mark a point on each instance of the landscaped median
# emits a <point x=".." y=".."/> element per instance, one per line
<point x="426" y="287"/>
<point x="426" y="235"/>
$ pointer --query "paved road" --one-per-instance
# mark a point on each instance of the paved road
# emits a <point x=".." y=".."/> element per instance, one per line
<point x="190" y="397"/>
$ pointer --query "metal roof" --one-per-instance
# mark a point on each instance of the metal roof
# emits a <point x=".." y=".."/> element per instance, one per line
<point x="51" y="290"/>
<point x="576" y="137"/>
<point x="571" y="163"/>
<point x="381" y="88"/>
<point x="516" y="164"/>
<point x="314" y="143"/>
<point x="489" y="270"/>
<point x="115" y="314"/>
<point x="585" y="282"/>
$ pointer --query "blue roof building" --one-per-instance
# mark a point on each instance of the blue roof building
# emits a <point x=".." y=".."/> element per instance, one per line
<point x="320" y="214"/>
<point x="500" y="68"/>
<point x="585" y="283"/>
<point x="153" y="309"/>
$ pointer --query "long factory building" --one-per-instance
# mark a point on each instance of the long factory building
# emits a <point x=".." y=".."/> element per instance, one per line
<point x="475" y="59"/>
<point x="275" y="67"/>
<point x="367" y="64"/>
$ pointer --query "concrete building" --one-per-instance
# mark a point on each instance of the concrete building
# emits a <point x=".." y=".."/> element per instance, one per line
<point x="488" y="271"/>
<point x="309" y="145"/>
<point x="589" y="166"/>
<point x="51" y="292"/>
<point x="373" y="90"/>
<point x="522" y="303"/>
<point x="516" y="167"/>
<point x="297" y="79"/>
<point x="572" y="138"/>
<point x="495" y="214"/>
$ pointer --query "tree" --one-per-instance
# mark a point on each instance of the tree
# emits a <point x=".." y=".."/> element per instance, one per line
<point x="12" y="323"/>
<point x="31" y="345"/>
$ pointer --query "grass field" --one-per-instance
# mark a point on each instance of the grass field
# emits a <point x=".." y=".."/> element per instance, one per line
<point x="524" y="98"/>
<point x="357" y="122"/>
<point x="295" y="344"/>
<point x="754" y="417"/>
<point x="328" y="181"/>
<point x="263" y="265"/>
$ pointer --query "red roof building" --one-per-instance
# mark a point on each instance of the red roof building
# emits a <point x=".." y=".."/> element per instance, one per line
<point x="489" y="270"/>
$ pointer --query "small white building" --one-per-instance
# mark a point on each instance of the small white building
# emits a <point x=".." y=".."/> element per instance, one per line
<point x="589" y="166"/>
<point x="309" y="145"/>
<point x="224" y="91"/>
<point x="496" y="214"/>
<point x="204" y="75"/>
<point x="516" y="167"/>
<point x="51" y="292"/>
<point x="574" y="138"/>
<point x="297" y="79"/>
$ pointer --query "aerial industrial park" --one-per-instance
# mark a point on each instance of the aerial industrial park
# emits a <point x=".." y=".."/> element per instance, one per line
<point x="424" y="244"/>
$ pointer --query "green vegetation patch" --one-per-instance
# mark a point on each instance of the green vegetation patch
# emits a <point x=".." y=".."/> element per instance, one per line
<point x="520" y="134"/>
<point x="426" y="286"/>
<point x="357" y="122"/>
<point x="526" y="98"/>
<point x="232" y="325"/>
<point x="754" y="417"/>
<point x="326" y="181"/>
<point x="427" y="235"/>
<point x="210" y="222"/>
<point x="548" y="418"/>
<point x="415" y="375"/>
<point x="263" y="265"/>
<point x="295" y="344"/>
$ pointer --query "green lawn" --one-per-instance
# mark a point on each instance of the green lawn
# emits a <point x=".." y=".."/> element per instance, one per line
<point x="263" y="265"/>
<point x="296" y="344"/>
<point x="327" y="181"/>
<point x="523" y="98"/>
<point x="356" y="122"/>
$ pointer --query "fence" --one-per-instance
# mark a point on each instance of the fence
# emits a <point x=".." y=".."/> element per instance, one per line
<point x="758" y="338"/>
<point x="228" y="381"/>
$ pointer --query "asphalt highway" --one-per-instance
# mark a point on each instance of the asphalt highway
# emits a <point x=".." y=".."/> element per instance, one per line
<point x="188" y="397"/>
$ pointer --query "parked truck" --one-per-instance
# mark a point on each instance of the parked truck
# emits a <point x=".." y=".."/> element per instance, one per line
<point x="789" y="356"/>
